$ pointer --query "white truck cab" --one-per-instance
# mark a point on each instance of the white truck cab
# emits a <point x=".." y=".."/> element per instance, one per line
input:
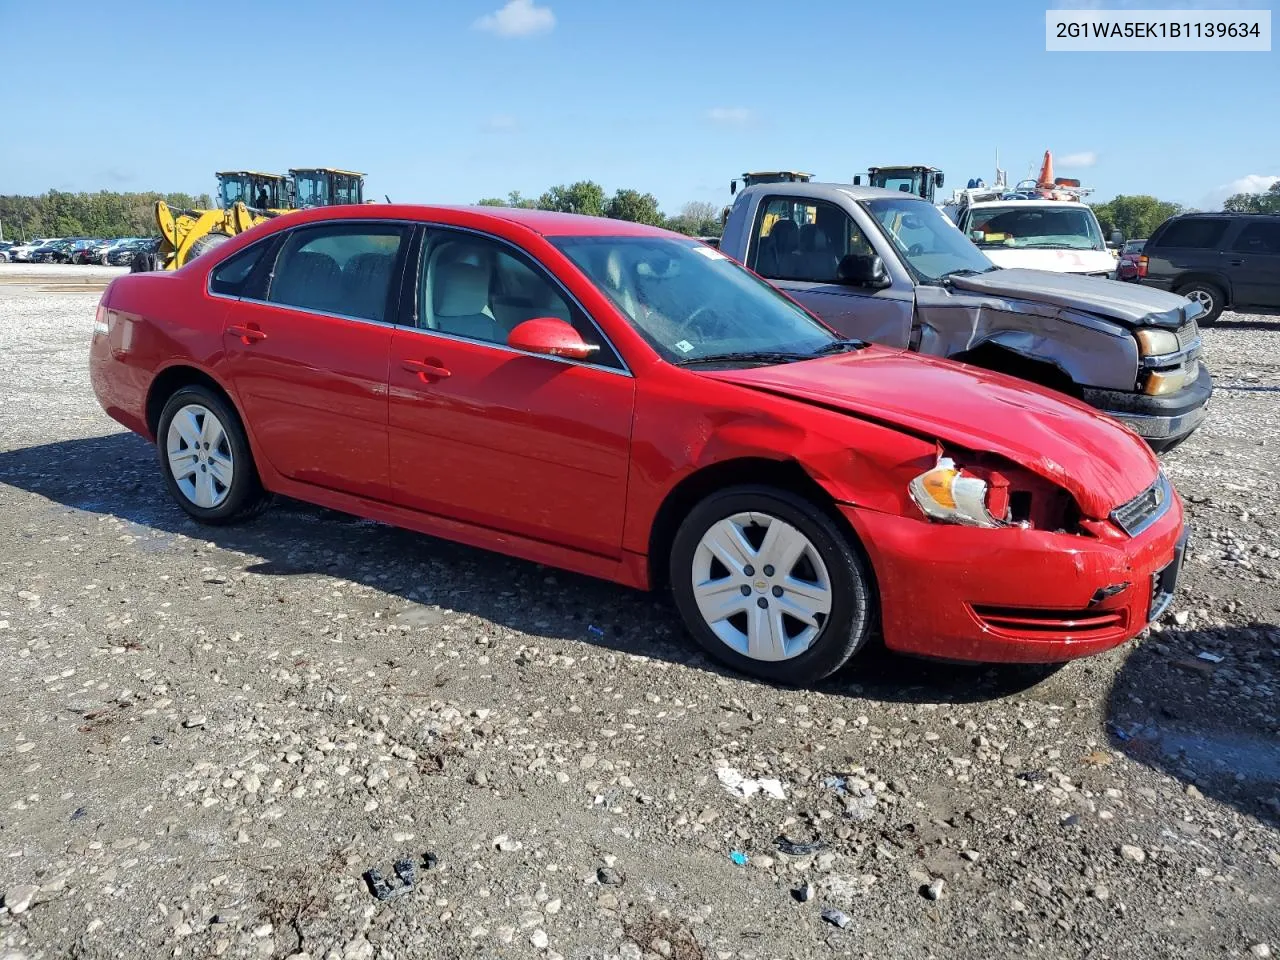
<point x="1041" y="234"/>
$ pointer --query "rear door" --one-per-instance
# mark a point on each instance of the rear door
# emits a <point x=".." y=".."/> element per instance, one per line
<point x="797" y="244"/>
<point x="1186" y="247"/>
<point x="1253" y="262"/>
<point x="308" y="353"/>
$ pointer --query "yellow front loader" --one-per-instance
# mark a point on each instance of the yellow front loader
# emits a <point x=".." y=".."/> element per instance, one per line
<point x="245" y="199"/>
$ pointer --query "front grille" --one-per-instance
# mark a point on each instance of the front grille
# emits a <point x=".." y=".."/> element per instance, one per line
<point x="1053" y="624"/>
<point x="1144" y="509"/>
<point x="1187" y="334"/>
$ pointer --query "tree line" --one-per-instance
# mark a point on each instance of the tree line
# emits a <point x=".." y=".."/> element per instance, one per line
<point x="695" y="219"/>
<point x="104" y="214"/>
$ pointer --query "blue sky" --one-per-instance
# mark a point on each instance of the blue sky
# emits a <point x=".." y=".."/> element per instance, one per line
<point x="458" y="100"/>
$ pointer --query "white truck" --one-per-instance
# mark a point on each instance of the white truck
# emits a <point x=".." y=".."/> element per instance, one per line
<point x="1058" y="234"/>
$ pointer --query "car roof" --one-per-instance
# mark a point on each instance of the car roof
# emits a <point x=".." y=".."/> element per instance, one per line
<point x="544" y="222"/>
<point x="1042" y="202"/>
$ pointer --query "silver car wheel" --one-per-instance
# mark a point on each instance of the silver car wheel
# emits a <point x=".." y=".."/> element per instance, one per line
<point x="200" y="456"/>
<point x="761" y="586"/>
<point x="1202" y="297"/>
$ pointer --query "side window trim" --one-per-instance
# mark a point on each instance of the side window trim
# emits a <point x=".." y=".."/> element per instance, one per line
<point x="413" y="294"/>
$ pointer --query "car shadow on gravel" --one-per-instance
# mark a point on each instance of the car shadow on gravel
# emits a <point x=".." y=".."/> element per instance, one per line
<point x="117" y="475"/>
<point x="1225" y="324"/>
<point x="1212" y="725"/>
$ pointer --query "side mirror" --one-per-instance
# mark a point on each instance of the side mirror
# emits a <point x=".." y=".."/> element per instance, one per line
<point x="857" y="181"/>
<point x="552" y="337"/>
<point x="862" y="270"/>
<point x="1117" y="237"/>
<point x="937" y="179"/>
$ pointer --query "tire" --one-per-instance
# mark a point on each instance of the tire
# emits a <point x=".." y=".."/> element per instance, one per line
<point x="804" y="654"/>
<point x="144" y="262"/>
<point x="222" y="485"/>
<point x="1210" y="296"/>
<point x="205" y="244"/>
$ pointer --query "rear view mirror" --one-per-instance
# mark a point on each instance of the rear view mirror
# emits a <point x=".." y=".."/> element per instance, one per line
<point x="551" y="337"/>
<point x="937" y="179"/>
<point x="1117" y="237"/>
<point x="862" y="270"/>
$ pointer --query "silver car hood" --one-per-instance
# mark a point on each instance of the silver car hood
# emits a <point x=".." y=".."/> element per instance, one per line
<point x="1132" y="304"/>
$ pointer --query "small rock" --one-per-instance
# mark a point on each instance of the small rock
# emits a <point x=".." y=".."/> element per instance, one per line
<point x="18" y="899"/>
<point x="1193" y="792"/>
<point x="971" y="855"/>
<point x="1099" y="892"/>
<point x="933" y="889"/>
<point x="1261" y="950"/>
<point x="195" y="720"/>
<point x="539" y="939"/>
<point x="609" y="877"/>
<point x="1136" y="854"/>
<point x="803" y="894"/>
<point x="837" y="918"/>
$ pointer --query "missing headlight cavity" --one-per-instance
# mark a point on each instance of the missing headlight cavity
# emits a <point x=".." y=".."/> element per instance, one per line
<point x="1020" y="506"/>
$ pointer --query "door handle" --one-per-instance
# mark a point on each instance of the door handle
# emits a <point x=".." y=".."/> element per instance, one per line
<point x="1236" y="263"/>
<point x="427" y="370"/>
<point x="249" y="334"/>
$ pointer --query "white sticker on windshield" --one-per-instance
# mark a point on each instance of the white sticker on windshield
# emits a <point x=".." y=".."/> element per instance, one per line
<point x="684" y="346"/>
<point x="711" y="253"/>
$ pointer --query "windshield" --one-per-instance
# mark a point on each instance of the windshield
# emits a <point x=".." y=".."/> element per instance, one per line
<point x="690" y="301"/>
<point x="1036" y="227"/>
<point x="313" y="191"/>
<point x="926" y="239"/>
<point x="233" y="191"/>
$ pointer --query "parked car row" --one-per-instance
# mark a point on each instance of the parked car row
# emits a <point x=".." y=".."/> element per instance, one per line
<point x="84" y="250"/>
<point x="628" y="403"/>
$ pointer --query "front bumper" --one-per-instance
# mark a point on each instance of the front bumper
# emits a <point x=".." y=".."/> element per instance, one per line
<point x="1014" y="595"/>
<point x="1157" y="418"/>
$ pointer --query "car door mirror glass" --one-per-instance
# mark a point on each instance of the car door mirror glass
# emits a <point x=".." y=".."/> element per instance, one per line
<point x="862" y="270"/>
<point x="551" y="337"/>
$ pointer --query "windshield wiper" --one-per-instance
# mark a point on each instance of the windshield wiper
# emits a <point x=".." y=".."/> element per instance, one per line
<point x="747" y="356"/>
<point x="839" y="346"/>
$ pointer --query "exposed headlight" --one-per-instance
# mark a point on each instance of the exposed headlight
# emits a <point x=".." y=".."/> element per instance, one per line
<point x="1163" y="382"/>
<point x="1154" y="343"/>
<point x="947" y="494"/>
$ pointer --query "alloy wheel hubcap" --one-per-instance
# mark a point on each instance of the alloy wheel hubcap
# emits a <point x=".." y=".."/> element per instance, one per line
<point x="200" y="456"/>
<point x="761" y="586"/>
<point x="1204" y="298"/>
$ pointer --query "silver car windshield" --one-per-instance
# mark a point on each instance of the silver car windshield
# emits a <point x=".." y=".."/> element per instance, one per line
<point x="930" y="243"/>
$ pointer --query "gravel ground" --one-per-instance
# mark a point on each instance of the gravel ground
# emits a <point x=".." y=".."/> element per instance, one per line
<point x="207" y="737"/>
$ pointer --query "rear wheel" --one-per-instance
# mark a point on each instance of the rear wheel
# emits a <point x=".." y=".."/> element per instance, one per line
<point x="144" y="262"/>
<point x="1209" y="296"/>
<point x="205" y="457"/>
<point x="205" y="244"/>
<point x="769" y="585"/>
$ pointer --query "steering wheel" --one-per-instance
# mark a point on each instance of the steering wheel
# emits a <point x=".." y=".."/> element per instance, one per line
<point x="915" y="249"/>
<point x="711" y="330"/>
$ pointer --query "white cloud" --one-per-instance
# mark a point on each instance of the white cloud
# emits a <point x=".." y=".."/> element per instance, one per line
<point x="501" y="121"/>
<point x="518" y="18"/>
<point x="730" y="116"/>
<point x="1250" y="183"/>
<point x="1086" y="158"/>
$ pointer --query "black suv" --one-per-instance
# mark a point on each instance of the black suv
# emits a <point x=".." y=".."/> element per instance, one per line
<point x="1220" y="259"/>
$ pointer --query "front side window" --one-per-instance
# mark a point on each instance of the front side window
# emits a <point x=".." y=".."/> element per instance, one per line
<point x="1194" y="234"/>
<point x="924" y="238"/>
<point x="689" y="301"/>
<point x="479" y="288"/>
<point x="344" y="269"/>
<point x="1039" y="227"/>
<point x="804" y="240"/>
<point x="313" y="192"/>
<point x="1260" y="237"/>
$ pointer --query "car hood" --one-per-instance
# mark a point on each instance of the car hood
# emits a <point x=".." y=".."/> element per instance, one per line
<point x="1099" y="462"/>
<point x="1132" y="305"/>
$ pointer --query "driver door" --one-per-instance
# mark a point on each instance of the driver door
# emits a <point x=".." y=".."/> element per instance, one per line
<point x="527" y="444"/>
<point x="797" y="245"/>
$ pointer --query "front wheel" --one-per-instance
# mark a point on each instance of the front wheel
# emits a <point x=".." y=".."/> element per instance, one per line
<point x="769" y="585"/>
<point x="1210" y="298"/>
<point x="205" y="457"/>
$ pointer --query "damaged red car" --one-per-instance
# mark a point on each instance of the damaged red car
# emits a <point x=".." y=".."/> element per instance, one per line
<point x="630" y="404"/>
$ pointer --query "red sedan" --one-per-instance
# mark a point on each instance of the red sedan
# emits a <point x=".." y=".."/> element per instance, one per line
<point x="632" y="404"/>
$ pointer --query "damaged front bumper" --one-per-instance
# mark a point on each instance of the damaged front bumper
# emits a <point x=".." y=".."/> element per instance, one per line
<point x="1159" y="420"/>
<point x="1017" y="595"/>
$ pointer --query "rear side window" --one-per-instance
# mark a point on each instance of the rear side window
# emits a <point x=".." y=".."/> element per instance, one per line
<point x="1260" y="237"/>
<point x="348" y="269"/>
<point x="230" y="277"/>
<point x="1193" y="234"/>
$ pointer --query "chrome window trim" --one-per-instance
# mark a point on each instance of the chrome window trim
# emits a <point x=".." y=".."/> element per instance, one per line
<point x="428" y="225"/>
